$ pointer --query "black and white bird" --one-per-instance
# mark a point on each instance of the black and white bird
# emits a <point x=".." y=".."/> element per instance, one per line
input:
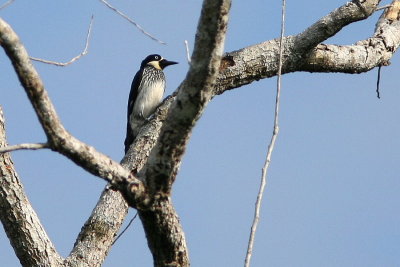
<point x="147" y="91"/>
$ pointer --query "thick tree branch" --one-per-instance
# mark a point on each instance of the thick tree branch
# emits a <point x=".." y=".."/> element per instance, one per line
<point x="257" y="62"/>
<point x="111" y="209"/>
<point x="332" y="23"/>
<point x="98" y="233"/>
<point x="193" y="96"/>
<point x="27" y="236"/>
<point x="164" y="233"/>
<point x="58" y="138"/>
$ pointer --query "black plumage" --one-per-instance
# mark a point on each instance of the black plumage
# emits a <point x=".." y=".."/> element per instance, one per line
<point x="146" y="93"/>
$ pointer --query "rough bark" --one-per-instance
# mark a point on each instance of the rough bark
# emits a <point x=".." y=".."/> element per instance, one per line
<point x="59" y="139"/>
<point x="97" y="235"/>
<point x="164" y="233"/>
<point x="193" y="96"/>
<point x="27" y="236"/>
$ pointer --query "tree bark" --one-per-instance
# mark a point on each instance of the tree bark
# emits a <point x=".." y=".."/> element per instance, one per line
<point x="27" y="236"/>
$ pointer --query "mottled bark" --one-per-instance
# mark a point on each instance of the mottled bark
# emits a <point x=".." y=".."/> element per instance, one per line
<point x="58" y="138"/>
<point x="164" y="233"/>
<point x="27" y="236"/>
<point x="193" y="96"/>
<point x="97" y="235"/>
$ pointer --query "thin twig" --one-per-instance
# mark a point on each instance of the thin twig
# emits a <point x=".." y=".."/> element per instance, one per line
<point x="382" y="7"/>
<point x="378" y="83"/>
<point x="133" y="22"/>
<point x="187" y="52"/>
<point x="84" y="52"/>
<point x="126" y="228"/>
<point x="24" y="146"/>
<point x="6" y="4"/>
<point x="270" y="146"/>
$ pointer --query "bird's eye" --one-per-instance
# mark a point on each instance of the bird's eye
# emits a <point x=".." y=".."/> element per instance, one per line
<point x="156" y="57"/>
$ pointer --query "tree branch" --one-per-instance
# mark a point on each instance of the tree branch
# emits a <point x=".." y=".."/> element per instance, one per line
<point x="164" y="233"/>
<point x="133" y="22"/>
<point x="260" y="61"/>
<point x="27" y="236"/>
<point x="332" y="23"/>
<point x="373" y="52"/>
<point x="83" y="53"/>
<point x="271" y="146"/>
<point x="6" y="4"/>
<point x="58" y="138"/>
<point x="97" y="235"/>
<point x="193" y="96"/>
<point x="24" y="146"/>
<point x="108" y="220"/>
<point x="187" y="52"/>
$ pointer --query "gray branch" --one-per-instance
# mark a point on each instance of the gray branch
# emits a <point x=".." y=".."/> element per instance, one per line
<point x="23" y="147"/>
<point x="260" y="61"/>
<point x="58" y="138"/>
<point x="27" y="236"/>
<point x="192" y="97"/>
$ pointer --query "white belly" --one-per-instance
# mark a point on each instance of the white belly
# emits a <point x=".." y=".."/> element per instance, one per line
<point x="149" y="97"/>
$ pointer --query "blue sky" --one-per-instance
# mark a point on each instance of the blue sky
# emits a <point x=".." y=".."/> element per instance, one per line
<point x="332" y="195"/>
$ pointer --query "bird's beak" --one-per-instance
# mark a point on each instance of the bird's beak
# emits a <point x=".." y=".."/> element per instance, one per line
<point x="164" y="63"/>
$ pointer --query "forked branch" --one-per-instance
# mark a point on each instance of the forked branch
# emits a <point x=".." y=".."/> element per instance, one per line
<point x="58" y="138"/>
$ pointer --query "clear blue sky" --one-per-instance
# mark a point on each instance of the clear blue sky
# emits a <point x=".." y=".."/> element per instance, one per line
<point x="332" y="197"/>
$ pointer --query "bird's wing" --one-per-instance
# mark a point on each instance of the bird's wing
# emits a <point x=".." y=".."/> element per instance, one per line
<point x="132" y="98"/>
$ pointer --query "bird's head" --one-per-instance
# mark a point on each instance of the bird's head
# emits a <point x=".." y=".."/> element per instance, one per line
<point x="157" y="62"/>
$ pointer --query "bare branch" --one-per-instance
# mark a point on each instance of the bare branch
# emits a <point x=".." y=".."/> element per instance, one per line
<point x="187" y="52"/>
<point x="6" y="4"/>
<point x="378" y="95"/>
<point x="133" y="22"/>
<point x="261" y="61"/>
<point x="382" y="7"/>
<point x="91" y="248"/>
<point x="24" y="146"/>
<point x="126" y="228"/>
<point x="58" y="138"/>
<point x="332" y="23"/>
<point x="22" y="225"/>
<point x="90" y="245"/>
<point x="393" y="11"/>
<point x="193" y="96"/>
<point x="270" y="146"/>
<point x="83" y="53"/>
<point x="161" y="223"/>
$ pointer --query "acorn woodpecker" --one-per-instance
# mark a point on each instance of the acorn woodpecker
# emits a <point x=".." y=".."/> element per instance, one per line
<point x="147" y="90"/>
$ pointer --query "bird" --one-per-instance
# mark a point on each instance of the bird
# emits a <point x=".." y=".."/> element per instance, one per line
<point x="146" y="93"/>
